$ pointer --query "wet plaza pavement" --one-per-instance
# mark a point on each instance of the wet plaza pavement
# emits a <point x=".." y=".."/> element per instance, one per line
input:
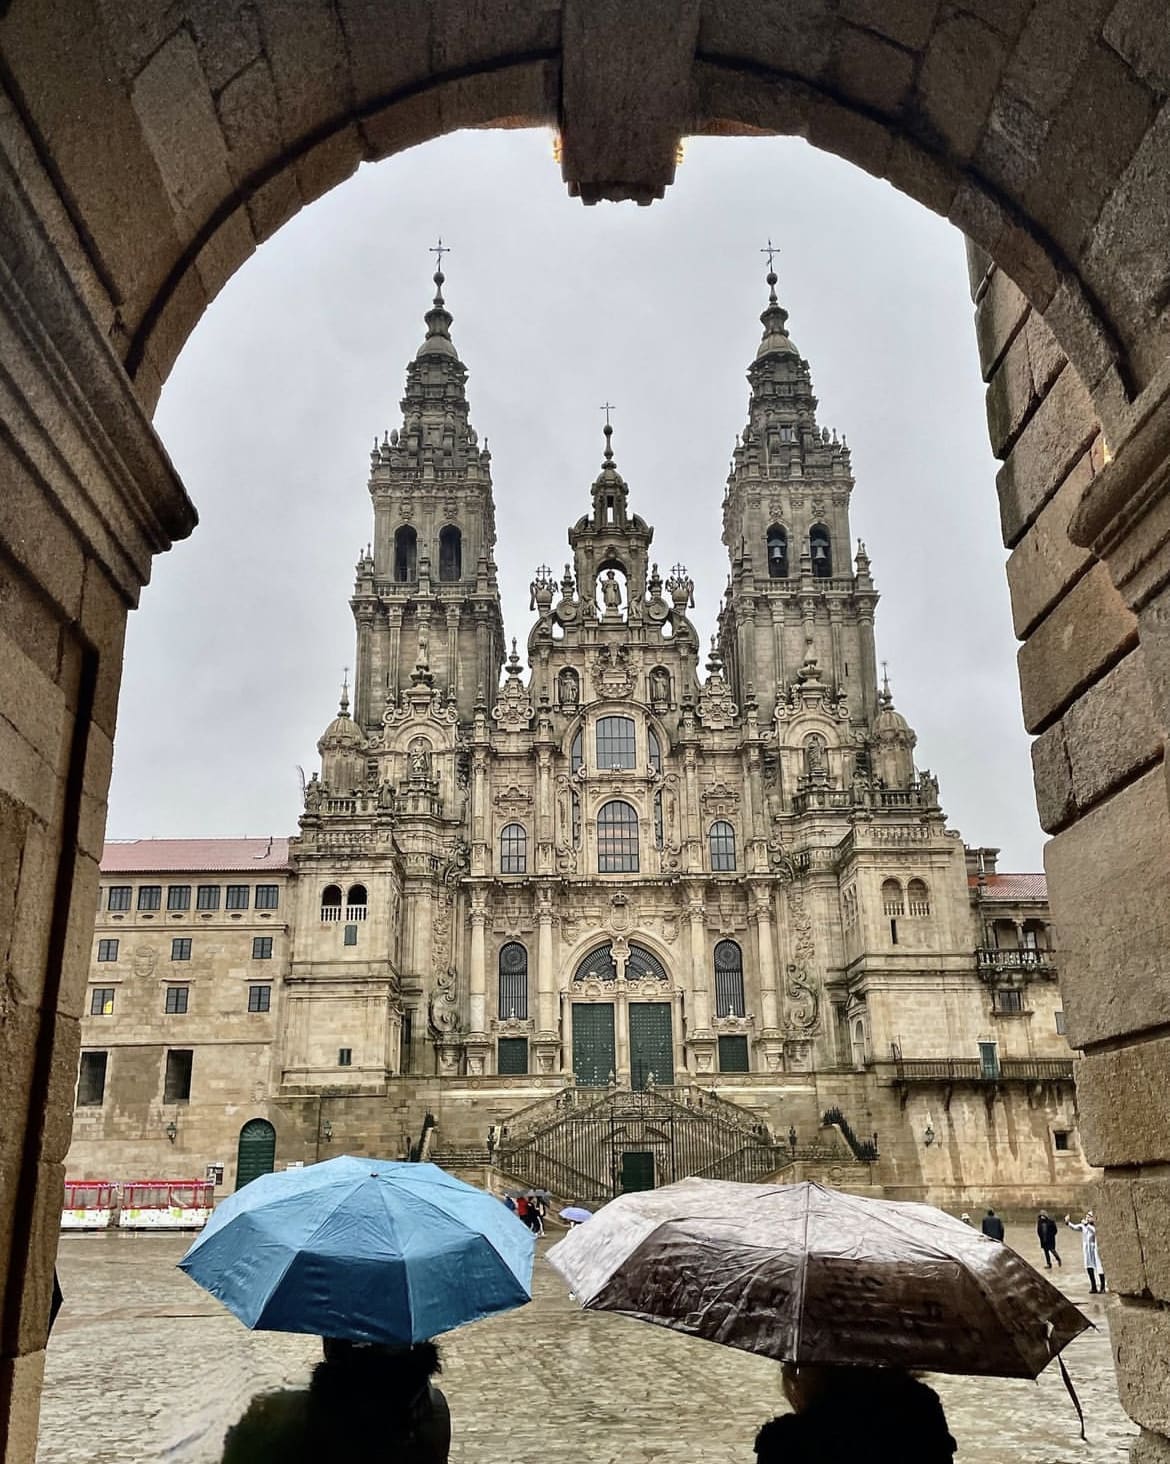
<point x="145" y="1366"/>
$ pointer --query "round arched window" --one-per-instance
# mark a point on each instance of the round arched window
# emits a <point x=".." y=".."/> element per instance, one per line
<point x="617" y="838"/>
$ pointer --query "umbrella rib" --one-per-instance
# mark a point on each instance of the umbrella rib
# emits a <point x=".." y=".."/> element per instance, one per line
<point x="301" y="1246"/>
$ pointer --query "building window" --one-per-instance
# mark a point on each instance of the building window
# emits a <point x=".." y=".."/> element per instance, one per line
<point x="345" y="1057"/>
<point x="176" y="1000"/>
<point x="207" y="897"/>
<point x="107" y="950"/>
<point x="821" y="551"/>
<point x="1061" y="1140"/>
<point x="575" y="757"/>
<point x="350" y="935"/>
<point x="450" y="553"/>
<point x="237" y="897"/>
<point x="331" y="903"/>
<point x="917" y="898"/>
<point x="729" y="997"/>
<point x="262" y="948"/>
<point x="989" y="1059"/>
<point x="405" y="554"/>
<point x="259" y="998"/>
<point x="513" y="849"/>
<point x="267" y="897"/>
<point x="1060" y="1028"/>
<point x="722" y="841"/>
<point x="615" y="743"/>
<point x="101" y="1001"/>
<point x="892" y="900"/>
<point x="150" y="897"/>
<point x="181" y="949"/>
<point x="512" y="1055"/>
<point x="356" y="903"/>
<point x="178" y="897"/>
<point x="513" y="993"/>
<point x="777" y="552"/>
<point x="654" y="750"/>
<point x="1009" y="1001"/>
<point x="91" y="1079"/>
<point x="733" y="1055"/>
<point x="118" y="897"/>
<point x="617" y="838"/>
<point x="177" y="1080"/>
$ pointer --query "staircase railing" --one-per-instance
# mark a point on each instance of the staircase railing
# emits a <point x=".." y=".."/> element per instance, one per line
<point x="865" y="1149"/>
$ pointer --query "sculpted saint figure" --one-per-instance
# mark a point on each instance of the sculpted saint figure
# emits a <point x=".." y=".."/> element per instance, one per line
<point x="611" y="592"/>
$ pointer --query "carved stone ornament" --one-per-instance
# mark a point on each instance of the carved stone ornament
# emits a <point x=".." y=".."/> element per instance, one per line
<point x="444" y="1004"/>
<point x="716" y="709"/>
<point x="720" y="800"/>
<point x="514" y="710"/>
<point x="736" y="1026"/>
<point x="144" y="960"/>
<point x="612" y="676"/>
<point x="513" y="800"/>
<point x="619" y="919"/>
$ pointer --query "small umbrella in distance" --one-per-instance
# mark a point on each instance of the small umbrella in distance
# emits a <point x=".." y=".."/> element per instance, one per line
<point x="806" y="1274"/>
<point x="363" y="1249"/>
<point x="577" y="1214"/>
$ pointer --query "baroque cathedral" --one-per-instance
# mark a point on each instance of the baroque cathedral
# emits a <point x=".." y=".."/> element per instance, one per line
<point x="618" y="862"/>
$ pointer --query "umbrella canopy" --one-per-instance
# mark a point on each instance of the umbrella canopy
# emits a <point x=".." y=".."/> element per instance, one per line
<point x="363" y="1249"/>
<point x="807" y="1274"/>
<point x="578" y="1214"/>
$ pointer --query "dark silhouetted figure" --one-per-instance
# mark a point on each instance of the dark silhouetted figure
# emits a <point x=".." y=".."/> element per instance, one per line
<point x="372" y="1402"/>
<point x="1046" y="1232"/>
<point x="992" y="1225"/>
<point x="856" y="1415"/>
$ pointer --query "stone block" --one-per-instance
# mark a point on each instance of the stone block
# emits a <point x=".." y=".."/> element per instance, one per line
<point x="908" y="24"/>
<point x="957" y="79"/>
<point x="1045" y="356"/>
<point x="1150" y="1448"/>
<point x="103" y="623"/>
<point x="231" y="244"/>
<point x="29" y="622"/>
<point x="1124" y="1103"/>
<point x="1045" y="563"/>
<point x="1050" y="48"/>
<point x="38" y="540"/>
<point x="999" y="316"/>
<point x="272" y="205"/>
<point x="307" y="54"/>
<point x="228" y="37"/>
<point x="174" y="323"/>
<point x="1052" y="779"/>
<point x="329" y="163"/>
<point x="33" y="704"/>
<point x="28" y="923"/>
<point x="21" y="1380"/>
<point x="1111" y="731"/>
<point x="1058" y="432"/>
<point x="1138" y="32"/>
<point x="1141" y="1352"/>
<point x="1012" y="396"/>
<point x="1151" y="1202"/>
<point x="1081" y="335"/>
<point x="250" y="118"/>
<point x="851" y="135"/>
<point x="173" y="101"/>
<point x="1108" y="874"/>
<point x="872" y="71"/>
<point x="792" y="36"/>
<point x="1083" y="634"/>
<point x="916" y="172"/>
<point x="1118" y="1239"/>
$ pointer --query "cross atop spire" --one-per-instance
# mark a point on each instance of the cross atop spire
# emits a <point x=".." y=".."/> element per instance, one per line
<point x="438" y="250"/>
<point x="606" y="407"/>
<point x="344" y="707"/>
<point x="769" y="251"/>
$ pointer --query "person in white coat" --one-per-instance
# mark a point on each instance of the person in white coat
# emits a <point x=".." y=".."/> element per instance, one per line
<point x="1088" y="1229"/>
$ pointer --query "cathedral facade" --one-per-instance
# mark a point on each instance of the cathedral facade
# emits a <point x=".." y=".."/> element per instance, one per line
<point x="618" y="863"/>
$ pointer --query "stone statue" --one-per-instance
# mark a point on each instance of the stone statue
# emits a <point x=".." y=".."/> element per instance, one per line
<point x="567" y="688"/>
<point x="419" y="757"/>
<point x="611" y="593"/>
<point x="659" y="685"/>
<point x="313" y="795"/>
<point x="814" y="755"/>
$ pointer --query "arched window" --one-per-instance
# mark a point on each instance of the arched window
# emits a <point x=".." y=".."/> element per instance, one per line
<point x="576" y="753"/>
<point x="617" y="838"/>
<point x="722" y="840"/>
<point x="450" y="553"/>
<point x="729" y="998"/>
<point x="598" y="965"/>
<point x="331" y="902"/>
<point x="655" y="752"/>
<point x="513" y="982"/>
<point x="892" y="897"/>
<point x="355" y="903"/>
<point x="821" y="551"/>
<point x="615" y="743"/>
<point x="858" y="1043"/>
<point x="642" y="963"/>
<point x="513" y="849"/>
<point x="777" y="552"/>
<point x="405" y="554"/>
<point x="917" y="898"/>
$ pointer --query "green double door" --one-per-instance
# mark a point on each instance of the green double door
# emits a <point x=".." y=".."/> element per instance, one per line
<point x="256" y="1152"/>
<point x="651" y="1044"/>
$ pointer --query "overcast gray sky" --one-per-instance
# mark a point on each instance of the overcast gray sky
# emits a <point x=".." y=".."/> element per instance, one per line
<point x="234" y="660"/>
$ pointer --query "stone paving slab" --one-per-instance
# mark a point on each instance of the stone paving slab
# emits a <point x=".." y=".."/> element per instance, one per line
<point x="144" y="1366"/>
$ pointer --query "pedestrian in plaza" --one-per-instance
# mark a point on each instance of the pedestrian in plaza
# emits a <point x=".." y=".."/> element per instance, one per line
<point x="844" y="1415"/>
<point x="367" y="1401"/>
<point x="536" y="1209"/>
<point x="992" y="1225"/>
<point x="1046" y="1232"/>
<point x="1092" y="1257"/>
<point x="522" y="1209"/>
<point x="965" y="1218"/>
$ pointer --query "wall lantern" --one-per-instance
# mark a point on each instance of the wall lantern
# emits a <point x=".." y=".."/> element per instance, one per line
<point x="928" y="1134"/>
<point x="327" y="1131"/>
<point x="172" y="1131"/>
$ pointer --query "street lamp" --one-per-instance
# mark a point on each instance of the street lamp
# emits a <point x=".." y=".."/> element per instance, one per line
<point x="327" y="1131"/>
<point x="172" y="1131"/>
<point x="928" y="1134"/>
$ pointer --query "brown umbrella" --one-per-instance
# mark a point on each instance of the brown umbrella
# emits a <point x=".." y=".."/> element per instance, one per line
<point x="807" y="1274"/>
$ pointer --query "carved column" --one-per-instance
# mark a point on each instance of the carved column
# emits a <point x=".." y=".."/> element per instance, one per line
<point x="394" y="670"/>
<point x="700" y="1037"/>
<point x="477" y="968"/>
<point x="770" y="1039"/>
<point x="547" y="1041"/>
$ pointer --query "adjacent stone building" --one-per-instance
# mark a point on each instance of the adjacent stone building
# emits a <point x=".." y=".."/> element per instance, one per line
<point x="608" y="912"/>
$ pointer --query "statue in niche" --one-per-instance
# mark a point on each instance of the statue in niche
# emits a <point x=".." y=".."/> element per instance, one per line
<point x="611" y="593"/>
<point x="568" y="688"/>
<point x="659" y="685"/>
<point x="418" y="756"/>
<point x="814" y="756"/>
<point x="313" y="795"/>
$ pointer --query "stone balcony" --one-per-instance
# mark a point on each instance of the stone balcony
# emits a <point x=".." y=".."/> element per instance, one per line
<point x="995" y="964"/>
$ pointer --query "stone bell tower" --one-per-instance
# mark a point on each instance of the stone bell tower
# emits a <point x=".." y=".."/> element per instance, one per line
<point x="793" y="595"/>
<point x="426" y="593"/>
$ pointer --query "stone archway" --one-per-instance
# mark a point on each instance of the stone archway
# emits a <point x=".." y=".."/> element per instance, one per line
<point x="146" y="151"/>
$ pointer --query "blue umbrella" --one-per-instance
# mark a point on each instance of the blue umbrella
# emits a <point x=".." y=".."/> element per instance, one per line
<point x="578" y="1214"/>
<point x="364" y="1249"/>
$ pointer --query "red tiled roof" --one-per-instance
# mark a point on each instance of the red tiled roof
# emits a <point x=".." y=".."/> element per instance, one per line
<point x="1012" y="886"/>
<point x="141" y="856"/>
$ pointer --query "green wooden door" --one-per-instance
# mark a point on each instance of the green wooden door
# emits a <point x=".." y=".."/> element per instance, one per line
<point x="637" y="1170"/>
<point x="651" y="1044"/>
<point x="594" y="1053"/>
<point x="256" y="1153"/>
